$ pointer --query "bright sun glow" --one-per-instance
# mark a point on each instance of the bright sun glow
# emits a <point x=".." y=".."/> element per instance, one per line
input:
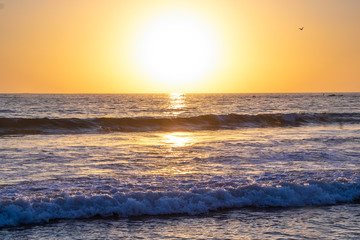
<point x="178" y="139"/>
<point x="177" y="49"/>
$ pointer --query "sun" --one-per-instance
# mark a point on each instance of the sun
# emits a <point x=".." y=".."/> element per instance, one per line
<point x="177" y="49"/>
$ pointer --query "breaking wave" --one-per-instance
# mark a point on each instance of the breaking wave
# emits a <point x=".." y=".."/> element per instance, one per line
<point x="144" y="124"/>
<point x="196" y="201"/>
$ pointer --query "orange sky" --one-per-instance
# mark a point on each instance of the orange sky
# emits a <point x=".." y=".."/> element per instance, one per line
<point x="142" y="46"/>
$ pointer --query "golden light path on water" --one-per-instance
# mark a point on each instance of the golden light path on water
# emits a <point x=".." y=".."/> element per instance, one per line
<point x="176" y="153"/>
<point x="177" y="103"/>
<point x="176" y="142"/>
<point x="159" y="153"/>
<point x="178" y="139"/>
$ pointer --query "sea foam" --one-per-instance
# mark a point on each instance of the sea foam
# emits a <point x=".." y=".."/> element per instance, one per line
<point x="14" y="212"/>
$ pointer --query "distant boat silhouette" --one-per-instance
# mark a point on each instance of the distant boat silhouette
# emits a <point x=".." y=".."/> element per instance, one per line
<point x="301" y="28"/>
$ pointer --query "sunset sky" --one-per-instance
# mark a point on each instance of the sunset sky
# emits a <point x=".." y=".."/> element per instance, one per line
<point x="153" y="46"/>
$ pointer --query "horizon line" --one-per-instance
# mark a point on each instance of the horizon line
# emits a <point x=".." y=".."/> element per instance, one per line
<point x="62" y="93"/>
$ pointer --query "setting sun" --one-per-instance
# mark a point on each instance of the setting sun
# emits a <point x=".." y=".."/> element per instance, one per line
<point x="198" y="46"/>
<point x="176" y="49"/>
<point x="179" y="119"/>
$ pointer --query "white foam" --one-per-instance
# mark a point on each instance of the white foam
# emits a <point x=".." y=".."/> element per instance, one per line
<point x="196" y="201"/>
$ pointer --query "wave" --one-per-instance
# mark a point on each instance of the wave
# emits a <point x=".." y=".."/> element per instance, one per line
<point x="196" y="201"/>
<point x="144" y="124"/>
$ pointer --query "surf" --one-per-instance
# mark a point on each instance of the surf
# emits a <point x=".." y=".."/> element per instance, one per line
<point x="24" y="126"/>
<point x="14" y="212"/>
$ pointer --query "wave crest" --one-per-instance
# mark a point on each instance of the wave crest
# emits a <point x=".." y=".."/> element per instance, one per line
<point x="144" y="124"/>
<point x="196" y="201"/>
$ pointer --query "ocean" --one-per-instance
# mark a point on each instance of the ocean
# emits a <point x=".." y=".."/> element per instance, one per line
<point x="180" y="166"/>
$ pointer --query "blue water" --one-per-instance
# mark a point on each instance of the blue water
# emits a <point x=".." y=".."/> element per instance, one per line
<point x="193" y="166"/>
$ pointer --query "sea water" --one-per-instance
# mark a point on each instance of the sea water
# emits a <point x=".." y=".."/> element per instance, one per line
<point x="180" y="166"/>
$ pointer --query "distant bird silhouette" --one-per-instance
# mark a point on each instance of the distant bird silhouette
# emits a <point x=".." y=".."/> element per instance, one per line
<point x="302" y="28"/>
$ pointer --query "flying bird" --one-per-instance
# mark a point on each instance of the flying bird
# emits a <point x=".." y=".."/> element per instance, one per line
<point x="301" y="28"/>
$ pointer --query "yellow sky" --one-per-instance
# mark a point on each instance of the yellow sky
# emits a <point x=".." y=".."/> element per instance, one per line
<point x="150" y="46"/>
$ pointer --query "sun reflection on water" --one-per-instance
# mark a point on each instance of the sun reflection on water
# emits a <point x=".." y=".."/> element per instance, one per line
<point x="178" y="139"/>
<point x="177" y="103"/>
<point x="176" y="147"/>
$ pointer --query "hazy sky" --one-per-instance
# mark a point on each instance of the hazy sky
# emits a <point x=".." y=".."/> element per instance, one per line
<point x="114" y="46"/>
